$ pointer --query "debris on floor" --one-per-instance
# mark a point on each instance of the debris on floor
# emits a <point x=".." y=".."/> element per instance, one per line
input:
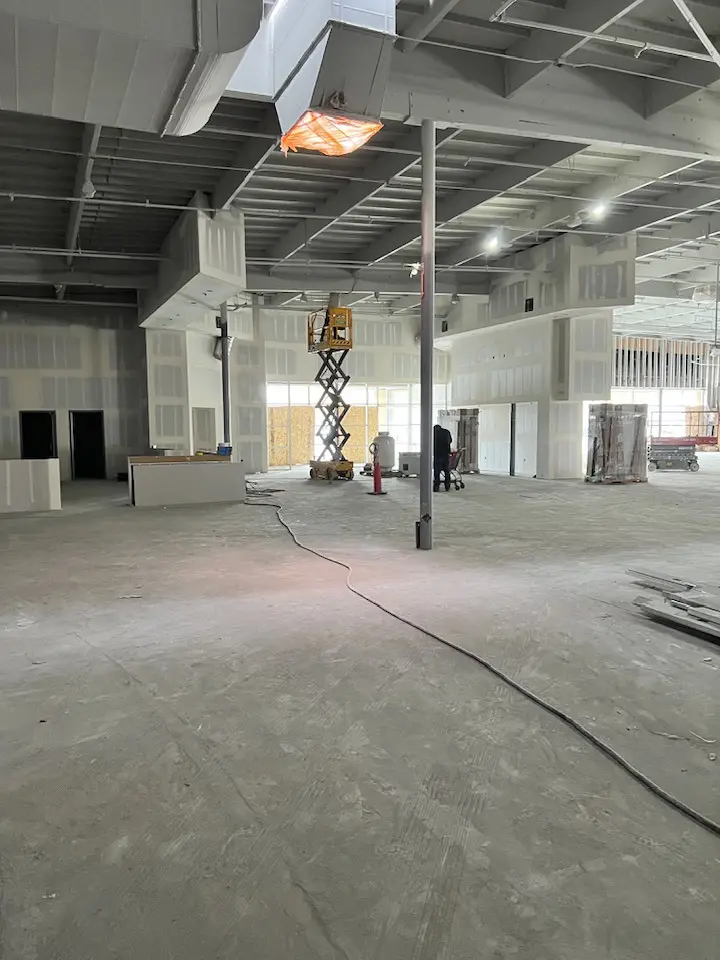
<point x="685" y="605"/>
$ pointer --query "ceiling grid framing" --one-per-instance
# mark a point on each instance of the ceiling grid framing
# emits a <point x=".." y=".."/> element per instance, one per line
<point x="353" y="221"/>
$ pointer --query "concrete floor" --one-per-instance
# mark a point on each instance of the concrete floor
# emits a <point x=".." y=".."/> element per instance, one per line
<point x="210" y="749"/>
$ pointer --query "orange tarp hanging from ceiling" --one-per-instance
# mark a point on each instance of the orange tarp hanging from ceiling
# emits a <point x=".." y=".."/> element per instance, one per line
<point x="329" y="134"/>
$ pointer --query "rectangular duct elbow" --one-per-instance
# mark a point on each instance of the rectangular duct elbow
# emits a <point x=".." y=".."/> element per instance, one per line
<point x="203" y="266"/>
<point x="323" y="55"/>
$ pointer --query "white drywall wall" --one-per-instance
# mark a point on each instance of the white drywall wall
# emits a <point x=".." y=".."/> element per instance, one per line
<point x="384" y="353"/>
<point x="494" y="439"/>
<point x="519" y="362"/>
<point x="93" y="361"/>
<point x="184" y="375"/>
<point x="526" y="436"/>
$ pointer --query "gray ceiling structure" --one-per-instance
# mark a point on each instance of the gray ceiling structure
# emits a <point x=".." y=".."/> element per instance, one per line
<point x="84" y="209"/>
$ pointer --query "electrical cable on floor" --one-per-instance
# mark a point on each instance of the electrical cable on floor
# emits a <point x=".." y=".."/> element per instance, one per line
<point x="605" y="748"/>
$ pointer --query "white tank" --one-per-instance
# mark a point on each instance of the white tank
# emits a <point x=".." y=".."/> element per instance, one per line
<point x="385" y="446"/>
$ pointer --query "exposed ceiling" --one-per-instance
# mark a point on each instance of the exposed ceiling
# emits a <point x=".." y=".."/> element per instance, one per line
<point x="351" y="224"/>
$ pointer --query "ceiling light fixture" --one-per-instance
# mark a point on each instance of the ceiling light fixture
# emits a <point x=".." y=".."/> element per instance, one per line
<point x="415" y="269"/>
<point x="492" y="244"/>
<point x="598" y="210"/>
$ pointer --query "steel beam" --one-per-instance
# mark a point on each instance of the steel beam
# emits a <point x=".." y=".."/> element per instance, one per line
<point x="426" y="23"/>
<point x="436" y="12"/>
<point x="677" y="261"/>
<point x="380" y="171"/>
<point x="566" y="105"/>
<point x="486" y="187"/>
<point x="687" y="75"/>
<point x="666" y="289"/>
<point x="542" y="49"/>
<point x="681" y="201"/>
<point x="700" y="227"/>
<point x="47" y="271"/>
<point x="281" y="299"/>
<point x="248" y="160"/>
<point x="633" y="176"/>
<point x="86" y="161"/>
<point x="286" y="286"/>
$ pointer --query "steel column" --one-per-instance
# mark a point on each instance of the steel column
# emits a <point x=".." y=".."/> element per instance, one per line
<point x="513" y="437"/>
<point x="225" y="360"/>
<point x="424" y="538"/>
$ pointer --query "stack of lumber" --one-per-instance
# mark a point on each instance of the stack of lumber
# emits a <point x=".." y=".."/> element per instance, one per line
<point x="680" y="604"/>
<point x="617" y="448"/>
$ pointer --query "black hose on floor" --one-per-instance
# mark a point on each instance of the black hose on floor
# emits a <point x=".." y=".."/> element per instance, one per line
<point x="603" y="747"/>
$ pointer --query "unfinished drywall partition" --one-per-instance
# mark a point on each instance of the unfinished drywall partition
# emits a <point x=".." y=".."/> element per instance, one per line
<point x="526" y="425"/>
<point x="494" y="439"/>
<point x="167" y="386"/>
<point x="249" y="409"/>
<point x="92" y="361"/>
<point x="385" y="351"/>
<point x="553" y="362"/>
<point x="185" y="389"/>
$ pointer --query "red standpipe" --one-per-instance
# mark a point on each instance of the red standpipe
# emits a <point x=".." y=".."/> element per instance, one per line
<point x="377" y="474"/>
<point x="377" y="490"/>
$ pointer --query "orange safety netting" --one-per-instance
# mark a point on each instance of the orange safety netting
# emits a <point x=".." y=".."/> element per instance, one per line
<point x="329" y="134"/>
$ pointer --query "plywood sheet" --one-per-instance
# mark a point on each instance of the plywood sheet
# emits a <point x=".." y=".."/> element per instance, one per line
<point x="291" y="432"/>
<point x="362" y="425"/>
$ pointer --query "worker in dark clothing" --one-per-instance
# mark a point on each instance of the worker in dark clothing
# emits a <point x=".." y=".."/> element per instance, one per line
<point x="442" y="444"/>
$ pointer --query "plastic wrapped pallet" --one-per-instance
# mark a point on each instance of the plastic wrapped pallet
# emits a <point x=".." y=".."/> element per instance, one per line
<point x="617" y="447"/>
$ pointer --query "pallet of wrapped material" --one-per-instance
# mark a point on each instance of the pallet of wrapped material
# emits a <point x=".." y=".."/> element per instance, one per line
<point x="617" y="443"/>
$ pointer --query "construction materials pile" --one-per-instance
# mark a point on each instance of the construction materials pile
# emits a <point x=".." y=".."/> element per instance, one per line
<point x="617" y="443"/>
<point x="680" y="604"/>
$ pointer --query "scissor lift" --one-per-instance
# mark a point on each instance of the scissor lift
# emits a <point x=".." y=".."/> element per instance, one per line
<point x="330" y="337"/>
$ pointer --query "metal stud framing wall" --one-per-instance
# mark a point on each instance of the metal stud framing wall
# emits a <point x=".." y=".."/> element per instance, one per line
<point x="653" y="362"/>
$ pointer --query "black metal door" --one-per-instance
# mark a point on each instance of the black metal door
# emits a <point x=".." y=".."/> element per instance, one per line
<point x="87" y="442"/>
<point x="38" y="436"/>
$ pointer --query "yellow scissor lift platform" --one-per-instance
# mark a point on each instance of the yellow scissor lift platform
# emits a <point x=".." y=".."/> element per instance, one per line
<point x="330" y="337"/>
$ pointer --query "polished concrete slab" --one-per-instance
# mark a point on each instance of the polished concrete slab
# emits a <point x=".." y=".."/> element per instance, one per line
<point x="210" y="749"/>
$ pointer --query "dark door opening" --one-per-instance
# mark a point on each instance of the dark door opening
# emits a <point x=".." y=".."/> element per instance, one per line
<point x="87" y="444"/>
<point x="38" y="436"/>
